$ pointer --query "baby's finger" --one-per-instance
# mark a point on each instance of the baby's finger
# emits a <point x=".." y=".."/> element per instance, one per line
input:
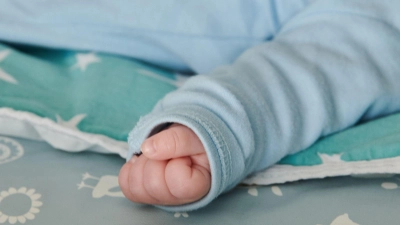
<point x="156" y="185"/>
<point x="131" y="182"/>
<point x="186" y="181"/>
<point x="123" y="178"/>
<point x="174" y="142"/>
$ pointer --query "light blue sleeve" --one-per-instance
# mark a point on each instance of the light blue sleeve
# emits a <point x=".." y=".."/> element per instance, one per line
<point x="330" y="66"/>
<point x="171" y="33"/>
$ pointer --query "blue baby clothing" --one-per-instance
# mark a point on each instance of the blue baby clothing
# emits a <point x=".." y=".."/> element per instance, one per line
<point x="330" y="66"/>
<point x="276" y="75"/>
<point x="174" y="34"/>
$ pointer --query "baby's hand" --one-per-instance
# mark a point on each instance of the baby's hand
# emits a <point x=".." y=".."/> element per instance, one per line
<point x="172" y="170"/>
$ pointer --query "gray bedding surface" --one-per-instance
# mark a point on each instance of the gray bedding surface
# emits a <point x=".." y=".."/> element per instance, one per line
<point x="43" y="185"/>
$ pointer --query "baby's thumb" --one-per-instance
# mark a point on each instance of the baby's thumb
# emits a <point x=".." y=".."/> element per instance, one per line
<point x="174" y="142"/>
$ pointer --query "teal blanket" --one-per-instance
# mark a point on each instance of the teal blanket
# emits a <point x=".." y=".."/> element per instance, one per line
<point x="79" y="101"/>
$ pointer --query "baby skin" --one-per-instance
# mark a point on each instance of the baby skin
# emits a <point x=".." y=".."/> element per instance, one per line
<point x="173" y="169"/>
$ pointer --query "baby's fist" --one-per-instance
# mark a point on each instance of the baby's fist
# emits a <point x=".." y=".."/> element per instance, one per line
<point x="172" y="170"/>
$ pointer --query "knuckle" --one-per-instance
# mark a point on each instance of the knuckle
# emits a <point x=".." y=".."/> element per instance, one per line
<point x="135" y="195"/>
<point x="180" y="186"/>
<point x="135" y="189"/>
<point x="180" y="189"/>
<point x="173" y="141"/>
<point x="152" y="186"/>
<point x="181" y="138"/>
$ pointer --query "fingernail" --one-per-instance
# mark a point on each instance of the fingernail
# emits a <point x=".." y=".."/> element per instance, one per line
<point x="148" y="147"/>
<point x="133" y="159"/>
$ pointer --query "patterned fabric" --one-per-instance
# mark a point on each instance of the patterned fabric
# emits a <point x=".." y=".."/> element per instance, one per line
<point x="59" y="93"/>
<point x="46" y="186"/>
<point x="80" y="101"/>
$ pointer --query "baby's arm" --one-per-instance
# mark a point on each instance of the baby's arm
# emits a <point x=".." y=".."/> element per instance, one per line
<point x="172" y="170"/>
<point x="332" y="65"/>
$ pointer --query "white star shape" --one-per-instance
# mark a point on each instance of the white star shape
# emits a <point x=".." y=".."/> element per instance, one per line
<point x="3" y="75"/>
<point x="4" y="54"/>
<point x="84" y="60"/>
<point x="343" y="220"/>
<point x="72" y="123"/>
<point x="328" y="159"/>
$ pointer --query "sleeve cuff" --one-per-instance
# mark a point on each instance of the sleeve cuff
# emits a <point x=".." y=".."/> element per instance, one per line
<point x="225" y="157"/>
